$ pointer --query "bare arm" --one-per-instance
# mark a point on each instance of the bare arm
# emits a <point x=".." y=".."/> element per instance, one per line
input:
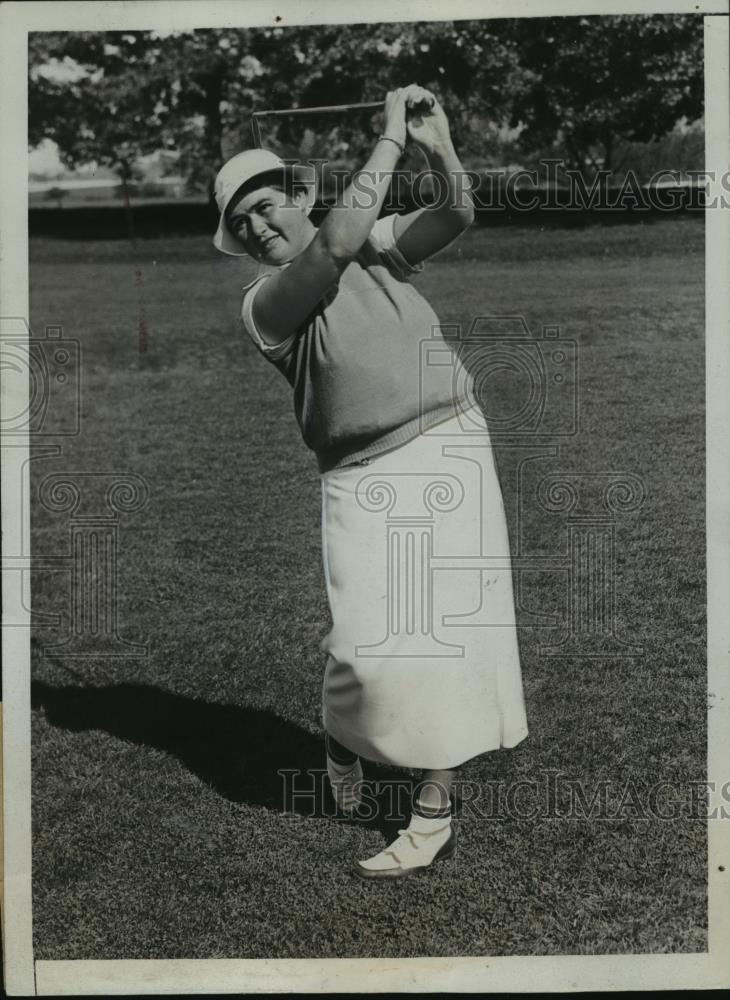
<point x="287" y="297"/>
<point x="422" y="233"/>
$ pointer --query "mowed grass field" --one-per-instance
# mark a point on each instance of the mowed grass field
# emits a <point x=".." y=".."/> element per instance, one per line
<point x="161" y="827"/>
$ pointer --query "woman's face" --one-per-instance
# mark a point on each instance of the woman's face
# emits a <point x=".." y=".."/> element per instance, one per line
<point x="273" y="226"/>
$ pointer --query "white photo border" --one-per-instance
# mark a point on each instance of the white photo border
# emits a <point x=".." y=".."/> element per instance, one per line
<point x="23" y="975"/>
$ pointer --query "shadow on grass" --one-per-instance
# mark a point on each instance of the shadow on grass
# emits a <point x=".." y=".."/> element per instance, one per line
<point x="248" y="755"/>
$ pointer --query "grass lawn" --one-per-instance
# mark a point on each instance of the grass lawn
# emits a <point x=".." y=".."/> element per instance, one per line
<point x="161" y="828"/>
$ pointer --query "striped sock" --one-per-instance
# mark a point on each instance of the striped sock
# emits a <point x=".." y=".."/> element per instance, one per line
<point x="340" y="756"/>
<point x="345" y="775"/>
<point x="428" y="816"/>
<point x="427" y="811"/>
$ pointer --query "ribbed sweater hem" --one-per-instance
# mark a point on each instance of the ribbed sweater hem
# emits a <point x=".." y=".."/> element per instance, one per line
<point x="336" y="458"/>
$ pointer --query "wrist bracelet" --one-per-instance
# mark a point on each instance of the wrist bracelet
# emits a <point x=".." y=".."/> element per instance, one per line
<point x="400" y="145"/>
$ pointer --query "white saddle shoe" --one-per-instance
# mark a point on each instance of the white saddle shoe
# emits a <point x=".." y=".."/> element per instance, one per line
<point x="414" y="850"/>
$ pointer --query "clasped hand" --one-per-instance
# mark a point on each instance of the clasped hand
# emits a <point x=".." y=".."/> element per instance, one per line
<point x="413" y="112"/>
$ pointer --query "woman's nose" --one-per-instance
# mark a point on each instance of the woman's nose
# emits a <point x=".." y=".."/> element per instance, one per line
<point x="258" y="227"/>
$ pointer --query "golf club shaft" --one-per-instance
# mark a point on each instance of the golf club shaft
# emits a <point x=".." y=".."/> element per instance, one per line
<point x="256" y="130"/>
<point x="325" y="109"/>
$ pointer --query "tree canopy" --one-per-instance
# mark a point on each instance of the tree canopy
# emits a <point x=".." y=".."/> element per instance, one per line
<point x="593" y="82"/>
<point x="570" y="86"/>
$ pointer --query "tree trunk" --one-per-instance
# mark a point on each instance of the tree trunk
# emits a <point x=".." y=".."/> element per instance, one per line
<point x="577" y="161"/>
<point x="213" y="126"/>
<point x="608" y="152"/>
<point x="142" y="329"/>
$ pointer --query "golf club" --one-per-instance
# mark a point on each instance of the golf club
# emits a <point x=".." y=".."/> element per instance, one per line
<point x="325" y="109"/>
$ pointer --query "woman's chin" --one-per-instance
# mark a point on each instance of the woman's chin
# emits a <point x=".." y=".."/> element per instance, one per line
<point x="280" y="258"/>
<point x="273" y="254"/>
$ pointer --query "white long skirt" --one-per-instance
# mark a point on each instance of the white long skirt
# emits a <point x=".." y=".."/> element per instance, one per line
<point x="423" y="664"/>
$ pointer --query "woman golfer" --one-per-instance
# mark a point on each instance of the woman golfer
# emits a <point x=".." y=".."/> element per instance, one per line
<point x="422" y="666"/>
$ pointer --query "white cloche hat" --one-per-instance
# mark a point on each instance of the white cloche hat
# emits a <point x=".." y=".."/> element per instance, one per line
<point x="239" y="172"/>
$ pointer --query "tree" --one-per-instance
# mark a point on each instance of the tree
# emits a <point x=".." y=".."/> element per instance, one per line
<point x="593" y="83"/>
<point x="576" y="84"/>
<point x="57" y="194"/>
<point x="112" y="96"/>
